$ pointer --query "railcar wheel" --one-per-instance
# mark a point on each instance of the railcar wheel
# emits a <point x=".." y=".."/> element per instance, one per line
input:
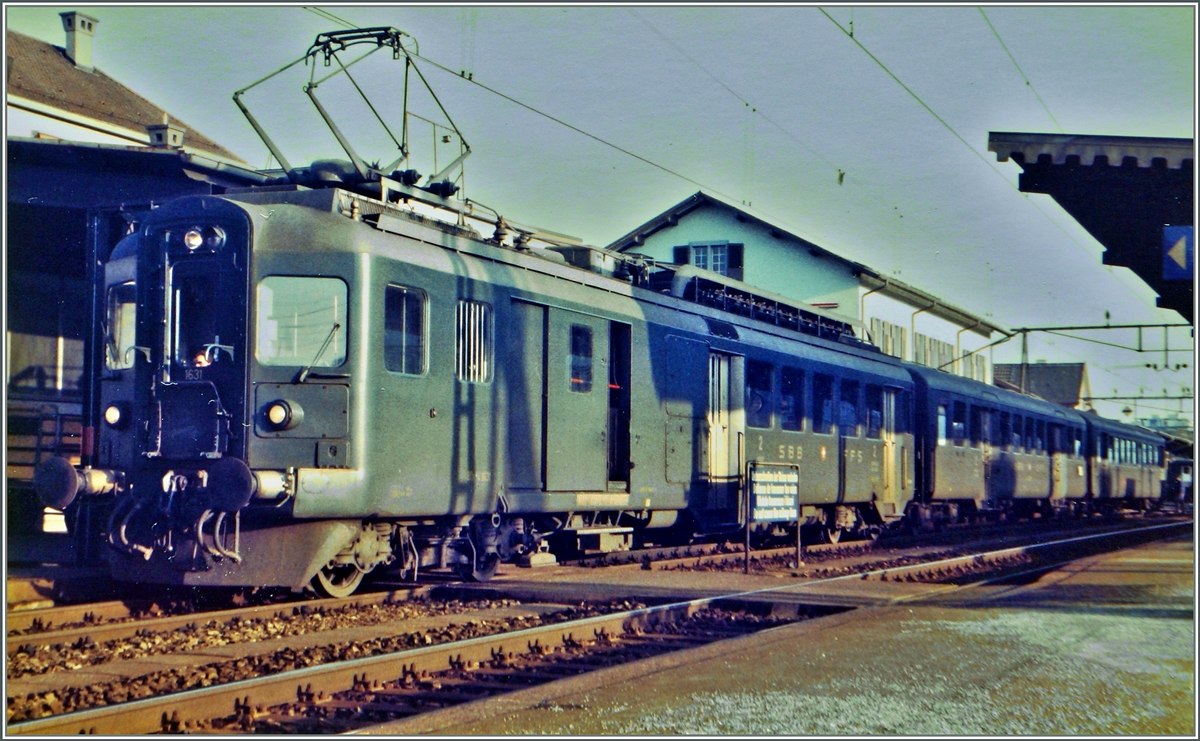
<point x="338" y="581"/>
<point x="832" y="534"/>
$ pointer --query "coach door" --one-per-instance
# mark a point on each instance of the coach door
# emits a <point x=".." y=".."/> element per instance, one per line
<point x="892" y="485"/>
<point x="577" y="402"/>
<point x="724" y="404"/>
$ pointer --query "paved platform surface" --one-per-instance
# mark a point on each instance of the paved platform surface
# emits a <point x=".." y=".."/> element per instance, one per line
<point x="1101" y="646"/>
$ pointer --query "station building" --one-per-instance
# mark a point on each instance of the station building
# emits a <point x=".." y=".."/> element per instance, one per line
<point x="710" y="232"/>
<point x="84" y="154"/>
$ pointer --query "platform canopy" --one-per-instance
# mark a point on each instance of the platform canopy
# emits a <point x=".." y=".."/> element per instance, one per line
<point x="1133" y="194"/>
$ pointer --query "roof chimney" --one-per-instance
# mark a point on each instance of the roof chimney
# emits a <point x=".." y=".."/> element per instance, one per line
<point x="80" y="29"/>
<point x="166" y="134"/>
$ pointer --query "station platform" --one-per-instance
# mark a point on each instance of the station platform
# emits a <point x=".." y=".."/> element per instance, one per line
<point x="1101" y="646"/>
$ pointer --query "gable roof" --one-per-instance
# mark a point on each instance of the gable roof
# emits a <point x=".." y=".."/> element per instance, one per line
<point x="43" y="74"/>
<point x="1061" y="383"/>
<point x="867" y="275"/>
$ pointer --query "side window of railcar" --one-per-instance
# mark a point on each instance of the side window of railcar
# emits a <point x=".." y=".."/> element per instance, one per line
<point x="404" y="330"/>
<point x="581" y="359"/>
<point x="848" y="409"/>
<point x="122" y="321"/>
<point x="958" y="427"/>
<point x="1030" y="437"/>
<point x="1004" y="434"/>
<point x="941" y="424"/>
<point x="791" y="399"/>
<point x="874" y="409"/>
<point x="1040" y="435"/>
<point x="901" y="411"/>
<point x="1017" y="440"/>
<point x="976" y="429"/>
<point x="301" y="321"/>
<point x="1077" y="442"/>
<point x="822" y="403"/>
<point x="759" y="393"/>
<point x="474" y="342"/>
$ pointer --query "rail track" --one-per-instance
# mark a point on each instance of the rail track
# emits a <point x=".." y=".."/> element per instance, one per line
<point x="462" y="661"/>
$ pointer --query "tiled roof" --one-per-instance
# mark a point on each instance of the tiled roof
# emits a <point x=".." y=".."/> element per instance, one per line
<point x="1061" y="383"/>
<point x="42" y="73"/>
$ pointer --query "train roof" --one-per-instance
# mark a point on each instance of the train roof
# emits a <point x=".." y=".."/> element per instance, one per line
<point x="942" y="381"/>
<point x="1132" y="432"/>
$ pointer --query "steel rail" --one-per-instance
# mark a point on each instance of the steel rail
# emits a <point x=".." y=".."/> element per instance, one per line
<point x="146" y="716"/>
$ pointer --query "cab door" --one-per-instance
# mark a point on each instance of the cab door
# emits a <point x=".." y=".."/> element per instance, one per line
<point x="577" y="402"/>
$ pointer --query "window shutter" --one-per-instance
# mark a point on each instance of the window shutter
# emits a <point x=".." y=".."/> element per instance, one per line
<point x="735" y="262"/>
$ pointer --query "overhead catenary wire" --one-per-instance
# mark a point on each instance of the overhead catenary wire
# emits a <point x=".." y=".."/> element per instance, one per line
<point x="980" y="155"/>
<point x="1020" y="71"/>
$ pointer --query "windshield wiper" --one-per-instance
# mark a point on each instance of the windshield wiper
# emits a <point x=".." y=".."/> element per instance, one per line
<point x="328" y="338"/>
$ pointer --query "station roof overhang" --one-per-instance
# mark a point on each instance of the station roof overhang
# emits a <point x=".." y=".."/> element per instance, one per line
<point x="1122" y="189"/>
<point x="870" y="279"/>
<point x="47" y="172"/>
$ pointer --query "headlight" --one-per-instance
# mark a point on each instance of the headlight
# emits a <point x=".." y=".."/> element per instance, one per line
<point x="192" y="239"/>
<point x="210" y="237"/>
<point x="283" y="414"/>
<point x="116" y="415"/>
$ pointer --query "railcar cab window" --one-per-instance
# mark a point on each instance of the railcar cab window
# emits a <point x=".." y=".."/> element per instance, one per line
<point x="301" y="321"/>
<point x="475" y="343"/>
<point x="822" y="404"/>
<point x="791" y="399"/>
<point x="404" y="330"/>
<point x="195" y="336"/>
<point x="848" y="409"/>
<point x="122" y="322"/>
<point x="759" y="394"/>
<point x="581" y="359"/>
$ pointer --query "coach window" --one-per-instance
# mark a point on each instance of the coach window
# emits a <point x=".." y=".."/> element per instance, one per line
<point x="122" y="323"/>
<point x="759" y="393"/>
<point x="848" y="409"/>
<point x="874" y="410"/>
<point x="581" y="359"/>
<point x="404" y="330"/>
<point x="791" y="399"/>
<point x="474" y="342"/>
<point x="1005" y="438"/>
<point x="822" y="404"/>
<point x="1017" y="440"/>
<point x="1041" y="436"/>
<point x="976" y="429"/>
<point x="958" y="427"/>
<point x="941" y="424"/>
<point x="901" y="413"/>
<point x="301" y="321"/>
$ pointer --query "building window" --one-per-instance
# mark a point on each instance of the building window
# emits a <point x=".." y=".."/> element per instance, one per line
<point x="404" y="330"/>
<point x="581" y="359"/>
<point x="474" y="342"/>
<point x="720" y="257"/>
<point x="892" y="339"/>
<point x="758" y="394"/>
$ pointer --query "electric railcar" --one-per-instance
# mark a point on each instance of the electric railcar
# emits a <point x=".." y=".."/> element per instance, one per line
<point x="302" y="386"/>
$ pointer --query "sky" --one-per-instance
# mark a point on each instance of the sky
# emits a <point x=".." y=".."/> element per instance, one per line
<point x="872" y="145"/>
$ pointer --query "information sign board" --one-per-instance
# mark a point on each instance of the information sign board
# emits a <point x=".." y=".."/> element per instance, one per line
<point x="774" y="493"/>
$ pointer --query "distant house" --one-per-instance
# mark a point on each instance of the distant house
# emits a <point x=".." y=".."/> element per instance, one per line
<point x="1061" y="383"/>
<point x="709" y="232"/>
